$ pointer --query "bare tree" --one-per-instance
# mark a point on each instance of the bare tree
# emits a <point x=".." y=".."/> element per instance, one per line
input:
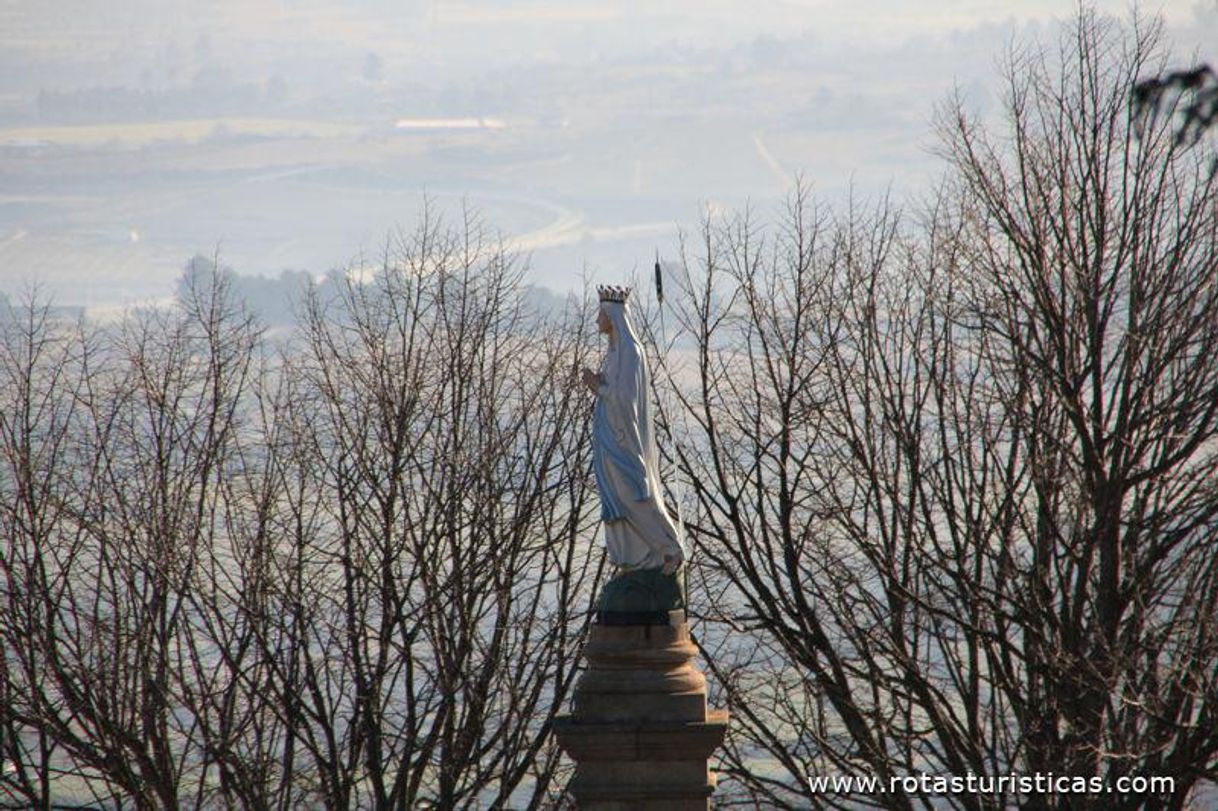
<point x="35" y="424"/>
<point x="954" y="476"/>
<point x="1100" y="258"/>
<point x="348" y="572"/>
<point x="439" y="478"/>
<point x="1190" y="96"/>
<point x="115" y="445"/>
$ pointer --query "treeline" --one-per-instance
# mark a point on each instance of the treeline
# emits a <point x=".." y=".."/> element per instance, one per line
<point x="950" y="473"/>
<point x="275" y="301"/>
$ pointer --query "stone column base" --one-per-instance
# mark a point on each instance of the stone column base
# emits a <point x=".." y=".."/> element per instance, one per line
<point x="640" y="733"/>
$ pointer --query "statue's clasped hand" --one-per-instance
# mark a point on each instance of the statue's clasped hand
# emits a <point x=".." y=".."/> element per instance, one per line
<point x="592" y="379"/>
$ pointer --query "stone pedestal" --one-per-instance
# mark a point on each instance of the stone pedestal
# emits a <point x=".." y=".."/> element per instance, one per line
<point x="640" y="733"/>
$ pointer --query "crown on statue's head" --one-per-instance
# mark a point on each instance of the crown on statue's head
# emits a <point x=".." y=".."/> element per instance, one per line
<point x="611" y="293"/>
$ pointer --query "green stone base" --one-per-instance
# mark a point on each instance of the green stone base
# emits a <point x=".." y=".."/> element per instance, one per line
<point x="643" y="591"/>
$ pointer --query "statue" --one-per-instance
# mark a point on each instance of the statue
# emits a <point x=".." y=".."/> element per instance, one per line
<point x="641" y="538"/>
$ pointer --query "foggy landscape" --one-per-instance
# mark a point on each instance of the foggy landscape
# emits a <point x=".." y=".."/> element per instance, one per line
<point x="298" y="135"/>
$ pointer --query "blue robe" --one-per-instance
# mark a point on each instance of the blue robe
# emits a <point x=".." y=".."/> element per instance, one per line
<point x="639" y="532"/>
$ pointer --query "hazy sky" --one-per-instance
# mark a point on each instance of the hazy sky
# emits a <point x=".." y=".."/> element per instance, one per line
<point x="135" y="135"/>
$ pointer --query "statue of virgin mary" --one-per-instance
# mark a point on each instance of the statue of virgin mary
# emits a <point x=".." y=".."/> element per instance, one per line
<point x="640" y="536"/>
